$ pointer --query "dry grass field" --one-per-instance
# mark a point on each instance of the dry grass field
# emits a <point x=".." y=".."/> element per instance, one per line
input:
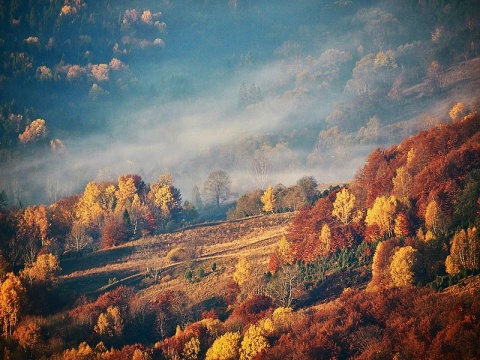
<point x="147" y="263"/>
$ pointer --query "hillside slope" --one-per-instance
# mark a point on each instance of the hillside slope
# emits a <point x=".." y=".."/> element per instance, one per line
<point x="222" y="243"/>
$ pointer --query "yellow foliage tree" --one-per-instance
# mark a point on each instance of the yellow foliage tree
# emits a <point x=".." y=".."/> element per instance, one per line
<point x="44" y="269"/>
<point x="125" y="193"/>
<point x="451" y="266"/>
<point x="267" y="326"/>
<point x="458" y="111"/>
<point x="164" y="198"/>
<point x="325" y="240"/>
<point x="464" y="252"/>
<point x="242" y="271"/>
<point x="225" y="347"/>
<point x="11" y="297"/>
<point x="268" y="200"/>
<point x="284" y="251"/>
<point x="433" y="217"/>
<point x="420" y="235"/>
<point x="344" y="207"/>
<point x="34" y="223"/>
<point x="110" y="323"/>
<point x="429" y="236"/>
<point x="402" y="266"/>
<point x="253" y="343"/>
<point x="191" y="349"/>
<point x="281" y="314"/>
<point x="83" y="352"/>
<point x="402" y="183"/>
<point x="283" y="317"/>
<point x="33" y="132"/>
<point x="88" y="209"/>
<point x="410" y="157"/>
<point x="383" y="214"/>
<point x="141" y="355"/>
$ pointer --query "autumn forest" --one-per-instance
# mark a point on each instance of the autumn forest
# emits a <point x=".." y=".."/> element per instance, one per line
<point x="242" y="179"/>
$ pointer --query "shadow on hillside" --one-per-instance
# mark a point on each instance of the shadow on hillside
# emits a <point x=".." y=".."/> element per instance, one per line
<point x="96" y="283"/>
<point x="333" y="286"/>
<point x="96" y="259"/>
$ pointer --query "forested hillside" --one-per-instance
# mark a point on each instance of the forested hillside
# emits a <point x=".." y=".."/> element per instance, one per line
<point x="366" y="268"/>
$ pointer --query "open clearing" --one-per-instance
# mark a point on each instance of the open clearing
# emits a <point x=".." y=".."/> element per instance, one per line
<point x="221" y="243"/>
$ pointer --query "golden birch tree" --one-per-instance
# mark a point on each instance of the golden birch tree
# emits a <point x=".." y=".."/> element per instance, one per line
<point x="284" y="251"/>
<point x="433" y="217"/>
<point x="242" y="271"/>
<point x="402" y="183"/>
<point x="325" y="240"/>
<point x="125" y="193"/>
<point x="268" y="200"/>
<point x="27" y="334"/>
<point x="34" y="224"/>
<point x="382" y="213"/>
<point x="381" y="264"/>
<point x="138" y="214"/>
<point x="88" y="209"/>
<point x="464" y="252"/>
<point x="344" y="207"/>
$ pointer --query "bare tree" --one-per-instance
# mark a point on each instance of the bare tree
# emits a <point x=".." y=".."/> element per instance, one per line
<point x="216" y="188"/>
<point x="260" y="170"/>
<point x="282" y="287"/>
<point x="154" y="262"/>
<point x="78" y="239"/>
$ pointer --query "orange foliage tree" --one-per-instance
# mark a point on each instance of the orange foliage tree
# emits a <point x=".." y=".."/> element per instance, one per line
<point x="27" y="334"/>
<point x="33" y="132"/>
<point x="12" y="295"/>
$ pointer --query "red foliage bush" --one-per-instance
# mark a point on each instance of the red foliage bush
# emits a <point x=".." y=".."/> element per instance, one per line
<point x="88" y="313"/>
<point x="253" y="309"/>
<point x="233" y="290"/>
<point x="114" y="233"/>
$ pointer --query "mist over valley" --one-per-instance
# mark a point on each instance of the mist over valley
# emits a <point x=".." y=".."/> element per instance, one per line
<point x="189" y="88"/>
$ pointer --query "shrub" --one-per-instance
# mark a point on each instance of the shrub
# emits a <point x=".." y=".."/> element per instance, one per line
<point x="177" y="254"/>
